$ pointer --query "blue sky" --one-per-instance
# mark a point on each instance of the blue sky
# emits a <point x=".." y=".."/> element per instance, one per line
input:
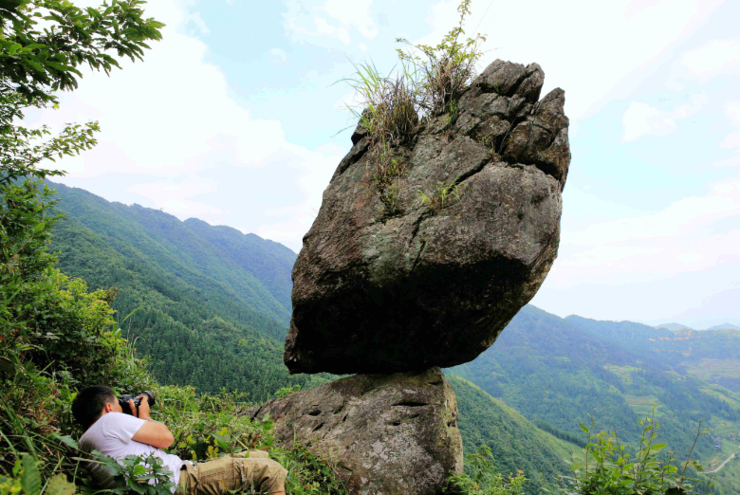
<point x="233" y="118"/>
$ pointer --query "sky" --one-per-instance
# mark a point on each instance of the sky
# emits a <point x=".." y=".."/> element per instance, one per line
<point x="238" y="117"/>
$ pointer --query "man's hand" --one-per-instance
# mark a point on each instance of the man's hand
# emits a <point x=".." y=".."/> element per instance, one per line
<point x="143" y="410"/>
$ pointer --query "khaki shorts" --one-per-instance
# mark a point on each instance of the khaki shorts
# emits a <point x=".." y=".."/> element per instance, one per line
<point x="256" y="473"/>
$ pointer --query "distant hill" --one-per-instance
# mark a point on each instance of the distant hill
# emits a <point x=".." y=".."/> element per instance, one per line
<point x="673" y="327"/>
<point x="724" y="326"/>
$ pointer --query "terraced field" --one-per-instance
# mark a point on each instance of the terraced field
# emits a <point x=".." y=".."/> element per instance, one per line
<point x="623" y="372"/>
<point x="643" y="405"/>
<point x="712" y="369"/>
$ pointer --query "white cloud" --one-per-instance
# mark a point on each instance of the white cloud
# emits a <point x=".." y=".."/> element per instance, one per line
<point x="278" y="55"/>
<point x="732" y="140"/>
<point x="715" y="56"/>
<point x="641" y="266"/>
<point x="332" y="19"/>
<point x="641" y="119"/>
<point x="168" y="123"/>
<point x="587" y="48"/>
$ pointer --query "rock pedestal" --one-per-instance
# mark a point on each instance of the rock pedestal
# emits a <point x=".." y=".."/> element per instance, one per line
<point x="381" y="289"/>
<point x="388" y="434"/>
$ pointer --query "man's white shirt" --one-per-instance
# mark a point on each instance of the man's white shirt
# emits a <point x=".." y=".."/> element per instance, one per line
<point x="112" y="435"/>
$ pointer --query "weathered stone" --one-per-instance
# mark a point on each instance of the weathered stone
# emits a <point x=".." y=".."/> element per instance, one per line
<point x="379" y="290"/>
<point x="388" y="434"/>
<point x="507" y="79"/>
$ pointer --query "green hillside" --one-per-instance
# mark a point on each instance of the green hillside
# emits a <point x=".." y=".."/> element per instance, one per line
<point x="711" y="355"/>
<point x="557" y="373"/>
<point x="187" y="250"/>
<point x="198" y="325"/>
<point x="270" y="262"/>
<point x="515" y="442"/>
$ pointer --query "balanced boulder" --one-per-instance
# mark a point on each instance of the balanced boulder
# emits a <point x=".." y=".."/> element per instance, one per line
<point x="426" y="265"/>
<point x="387" y="434"/>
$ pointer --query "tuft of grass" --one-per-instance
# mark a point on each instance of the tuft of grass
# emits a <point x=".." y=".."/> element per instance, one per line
<point x="388" y="109"/>
<point x="389" y="116"/>
<point x="428" y="82"/>
<point x="388" y="170"/>
<point x="443" y="194"/>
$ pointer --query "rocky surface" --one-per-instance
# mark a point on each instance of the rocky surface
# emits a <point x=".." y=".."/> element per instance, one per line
<point x="380" y="290"/>
<point x="388" y="434"/>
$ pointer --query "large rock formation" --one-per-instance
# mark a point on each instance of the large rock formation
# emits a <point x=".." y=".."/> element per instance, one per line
<point x="389" y="434"/>
<point x="387" y="282"/>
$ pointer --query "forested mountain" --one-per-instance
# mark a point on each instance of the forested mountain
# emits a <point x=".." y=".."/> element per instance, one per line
<point x="203" y="315"/>
<point x="712" y="355"/>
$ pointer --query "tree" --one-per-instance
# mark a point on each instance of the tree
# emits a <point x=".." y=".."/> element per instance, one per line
<point x="43" y="44"/>
<point x="54" y="335"/>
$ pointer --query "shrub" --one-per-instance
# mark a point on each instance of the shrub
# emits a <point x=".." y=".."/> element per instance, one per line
<point x="430" y="81"/>
<point x="481" y="477"/>
<point x="208" y="426"/>
<point x="608" y="467"/>
<point x="442" y="72"/>
<point x="308" y="473"/>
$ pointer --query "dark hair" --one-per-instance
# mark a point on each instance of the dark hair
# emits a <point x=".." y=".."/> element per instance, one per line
<point x="89" y="403"/>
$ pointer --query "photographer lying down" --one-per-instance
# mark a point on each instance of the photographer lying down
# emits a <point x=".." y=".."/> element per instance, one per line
<point x="119" y="428"/>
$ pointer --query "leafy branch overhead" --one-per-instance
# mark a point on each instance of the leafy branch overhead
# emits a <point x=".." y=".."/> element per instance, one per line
<point x="44" y="43"/>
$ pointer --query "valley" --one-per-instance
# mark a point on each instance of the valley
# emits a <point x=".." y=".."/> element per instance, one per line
<point x="212" y="307"/>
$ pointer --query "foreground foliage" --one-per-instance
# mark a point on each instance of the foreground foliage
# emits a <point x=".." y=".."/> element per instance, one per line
<point x="56" y="336"/>
<point x="482" y="478"/>
<point x="607" y="466"/>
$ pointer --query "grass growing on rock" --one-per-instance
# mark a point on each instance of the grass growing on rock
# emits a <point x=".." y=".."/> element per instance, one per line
<point x="444" y="193"/>
<point x="391" y="108"/>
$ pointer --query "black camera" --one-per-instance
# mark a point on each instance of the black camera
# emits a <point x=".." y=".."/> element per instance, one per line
<point x="123" y="400"/>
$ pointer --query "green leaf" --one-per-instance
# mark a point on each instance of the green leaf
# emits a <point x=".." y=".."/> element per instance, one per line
<point x="59" y="485"/>
<point x="31" y="479"/>
<point x="139" y="470"/>
<point x="222" y="438"/>
<point x="68" y="441"/>
<point x="583" y="427"/>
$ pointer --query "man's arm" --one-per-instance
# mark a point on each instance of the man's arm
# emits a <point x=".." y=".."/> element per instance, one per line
<point x="152" y="432"/>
